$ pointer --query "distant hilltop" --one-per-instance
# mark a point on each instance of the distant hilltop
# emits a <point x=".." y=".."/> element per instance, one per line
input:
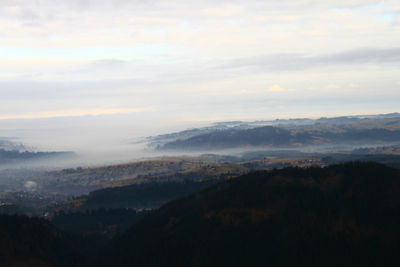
<point x="285" y="133"/>
<point x="12" y="152"/>
<point x="8" y="143"/>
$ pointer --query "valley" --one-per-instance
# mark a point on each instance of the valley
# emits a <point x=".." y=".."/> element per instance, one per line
<point x="188" y="194"/>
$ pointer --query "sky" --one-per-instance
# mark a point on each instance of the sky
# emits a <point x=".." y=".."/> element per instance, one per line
<point x="123" y="63"/>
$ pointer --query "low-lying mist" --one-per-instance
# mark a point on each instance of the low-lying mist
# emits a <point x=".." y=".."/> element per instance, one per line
<point x="95" y="140"/>
<point x="91" y="141"/>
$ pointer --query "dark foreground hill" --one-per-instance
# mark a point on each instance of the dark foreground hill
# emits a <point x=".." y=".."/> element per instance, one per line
<point x="35" y="242"/>
<point x="343" y="215"/>
<point x="139" y="196"/>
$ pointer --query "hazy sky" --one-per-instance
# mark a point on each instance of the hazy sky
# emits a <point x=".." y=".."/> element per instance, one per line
<point x="198" y="60"/>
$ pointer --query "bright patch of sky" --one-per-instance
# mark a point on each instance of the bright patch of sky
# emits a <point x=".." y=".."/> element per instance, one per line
<point x="379" y="12"/>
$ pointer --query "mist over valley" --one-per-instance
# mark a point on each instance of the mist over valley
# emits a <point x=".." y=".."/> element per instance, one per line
<point x="199" y="133"/>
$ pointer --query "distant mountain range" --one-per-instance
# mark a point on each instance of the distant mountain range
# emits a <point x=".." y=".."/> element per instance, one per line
<point x="291" y="133"/>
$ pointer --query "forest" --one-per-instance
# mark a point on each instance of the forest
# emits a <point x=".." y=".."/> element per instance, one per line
<point x="340" y="215"/>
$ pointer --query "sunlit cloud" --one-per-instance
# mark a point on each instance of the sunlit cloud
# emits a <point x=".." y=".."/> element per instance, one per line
<point x="276" y="88"/>
<point x="332" y="86"/>
<point x="241" y="92"/>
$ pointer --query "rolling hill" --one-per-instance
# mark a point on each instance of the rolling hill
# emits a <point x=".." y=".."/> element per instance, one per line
<point x="286" y="134"/>
<point x="343" y="215"/>
<point x="36" y="242"/>
<point x="340" y="215"/>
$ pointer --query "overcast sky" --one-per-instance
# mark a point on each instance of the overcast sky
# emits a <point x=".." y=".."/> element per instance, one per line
<point x="198" y="60"/>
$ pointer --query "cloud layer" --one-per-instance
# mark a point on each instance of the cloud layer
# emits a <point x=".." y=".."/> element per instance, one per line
<point x="199" y="58"/>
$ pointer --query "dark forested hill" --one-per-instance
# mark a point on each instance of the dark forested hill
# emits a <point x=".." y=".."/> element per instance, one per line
<point x="147" y="195"/>
<point x="343" y="215"/>
<point x="35" y="242"/>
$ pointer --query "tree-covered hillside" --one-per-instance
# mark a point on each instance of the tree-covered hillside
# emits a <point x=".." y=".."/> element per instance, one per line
<point x="343" y="215"/>
<point x="36" y="242"/>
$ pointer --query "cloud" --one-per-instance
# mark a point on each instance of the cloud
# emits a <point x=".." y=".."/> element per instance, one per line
<point x="296" y="62"/>
<point x="226" y="11"/>
<point x="241" y="92"/>
<point x="74" y="113"/>
<point x="83" y="54"/>
<point x="124" y="22"/>
<point x="361" y="56"/>
<point x="332" y="87"/>
<point x="276" y="88"/>
<point x="353" y="85"/>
